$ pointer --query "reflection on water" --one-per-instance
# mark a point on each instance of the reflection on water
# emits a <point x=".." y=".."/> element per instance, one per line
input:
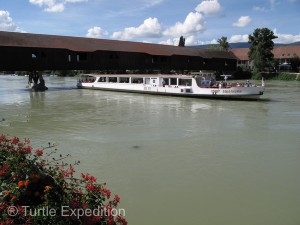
<point x="172" y="160"/>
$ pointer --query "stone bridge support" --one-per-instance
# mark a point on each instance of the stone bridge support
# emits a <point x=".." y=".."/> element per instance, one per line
<point x="36" y="81"/>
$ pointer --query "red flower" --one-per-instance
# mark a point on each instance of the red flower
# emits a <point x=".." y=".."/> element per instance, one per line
<point x="90" y="187"/>
<point x="26" y="183"/>
<point x="9" y="221"/>
<point x="15" y="140"/>
<point x="86" y="177"/>
<point x="21" y="184"/>
<point x="121" y="220"/>
<point x="39" y="152"/>
<point x="28" y="149"/>
<point x="4" y="170"/>
<point x="110" y="221"/>
<point x="69" y="172"/>
<point x="117" y="198"/>
<point x="27" y="140"/>
<point x="106" y="192"/>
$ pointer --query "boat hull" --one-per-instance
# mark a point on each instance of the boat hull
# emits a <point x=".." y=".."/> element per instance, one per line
<point x="210" y="93"/>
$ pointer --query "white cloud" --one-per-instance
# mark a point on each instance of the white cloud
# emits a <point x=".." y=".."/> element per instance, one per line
<point x="150" y="3"/>
<point x="74" y="1"/>
<point x="194" y="23"/>
<point x="54" y="6"/>
<point x="190" y="40"/>
<point x="7" y="24"/>
<point x="242" y="21"/>
<point x="42" y="2"/>
<point x="96" y="32"/>
<point x="259" y="9"/>
<point x="286" y="38"/>
<point x="239" y="38"/>
<point x="209" y="7"/>
<point x="150" y="28"/>
<point x="170" y="41"/>
<point x="271" y="7"/>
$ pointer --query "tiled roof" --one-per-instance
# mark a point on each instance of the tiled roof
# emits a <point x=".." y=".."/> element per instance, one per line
<point x="286" y="51"/>
<point x="13" y="39"/>
<point x="240" y="53"/>
<point x="278" y="51"/>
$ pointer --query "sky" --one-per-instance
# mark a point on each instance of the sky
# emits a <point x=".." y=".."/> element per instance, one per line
<point x="154" y="21"/>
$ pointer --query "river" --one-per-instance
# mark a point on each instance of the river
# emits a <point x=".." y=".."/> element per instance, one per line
<point x="172" y="160"/>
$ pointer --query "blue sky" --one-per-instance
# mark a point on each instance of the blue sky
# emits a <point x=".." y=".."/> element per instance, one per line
<point x="155" y="21"/>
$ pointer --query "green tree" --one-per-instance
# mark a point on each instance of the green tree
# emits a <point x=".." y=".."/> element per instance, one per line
<point x="181" y="41"/>
<point x="261" y="46"/>
<point x="223" y="43"/>
<point x="295" y="63"/>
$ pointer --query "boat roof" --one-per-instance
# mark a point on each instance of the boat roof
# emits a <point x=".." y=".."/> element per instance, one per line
<point x="140" y="75"/>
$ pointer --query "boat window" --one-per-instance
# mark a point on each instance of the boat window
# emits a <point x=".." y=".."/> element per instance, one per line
<point x="147" y="80"/>
<point x="166" y="81"/>
<point x="185" y="82"/>
<point x="173" y="81"/>
<point x="112" y="80"/>
<point x="102" y="79"/>
<point x="124" y="79"/>
<point x="87" y="79"/>
<point x="138" y="80"/>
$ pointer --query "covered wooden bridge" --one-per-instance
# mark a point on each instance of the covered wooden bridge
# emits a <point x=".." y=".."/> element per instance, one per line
<point x="24" y="51"/>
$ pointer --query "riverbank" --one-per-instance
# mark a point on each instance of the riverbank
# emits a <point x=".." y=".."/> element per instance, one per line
<point x="287" y="76"/>
<point x="281" y="76"/>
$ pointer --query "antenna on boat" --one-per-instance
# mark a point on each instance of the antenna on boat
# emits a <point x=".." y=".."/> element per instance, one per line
<point x="262" y="81"/>
<point x="225" y="77"/>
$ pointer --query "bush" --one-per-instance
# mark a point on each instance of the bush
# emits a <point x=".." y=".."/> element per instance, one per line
<point x="275" y="76"/>
<point x="256" y="75"/>
<point x="36" y="188"/>
<point x="287" y="77"/>
<point x="265" y="75"/>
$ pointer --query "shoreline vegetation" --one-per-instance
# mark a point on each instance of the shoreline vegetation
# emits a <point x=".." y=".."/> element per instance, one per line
<point x="283" y="76"/>
<point x="39" y="187"/>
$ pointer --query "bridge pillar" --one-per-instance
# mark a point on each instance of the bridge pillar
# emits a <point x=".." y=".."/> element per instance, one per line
<point x="36" y="81"/>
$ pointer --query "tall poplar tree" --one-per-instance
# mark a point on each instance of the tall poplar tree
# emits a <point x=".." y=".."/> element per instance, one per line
<point x="261" y="46"/>
<point x="181" y="41"/>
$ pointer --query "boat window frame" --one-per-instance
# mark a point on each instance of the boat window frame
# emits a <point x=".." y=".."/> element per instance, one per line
<point x="102" y="79"/>
<point x="147" y="80"/>
<point x="166" y="80"/>
<point x="127" y="80"/>
<point x="112" y="80"/>
<point x="139" y="79"/>
<point x="185" y="82"/>
<point x="172" y="79"/>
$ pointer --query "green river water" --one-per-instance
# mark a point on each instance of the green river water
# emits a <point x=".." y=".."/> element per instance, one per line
<point x="172" y="160"/>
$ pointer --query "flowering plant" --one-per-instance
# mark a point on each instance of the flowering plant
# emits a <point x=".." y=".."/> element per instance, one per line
<point x="36" y="188"/>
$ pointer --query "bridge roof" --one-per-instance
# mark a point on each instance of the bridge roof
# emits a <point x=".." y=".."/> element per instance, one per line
<point x="80" y="44"/>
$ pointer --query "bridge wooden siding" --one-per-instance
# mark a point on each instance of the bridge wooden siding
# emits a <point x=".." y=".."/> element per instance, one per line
<point x="24" y="51"/>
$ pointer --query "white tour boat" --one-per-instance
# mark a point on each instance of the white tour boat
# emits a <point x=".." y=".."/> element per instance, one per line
<point x="194" y="85"/>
